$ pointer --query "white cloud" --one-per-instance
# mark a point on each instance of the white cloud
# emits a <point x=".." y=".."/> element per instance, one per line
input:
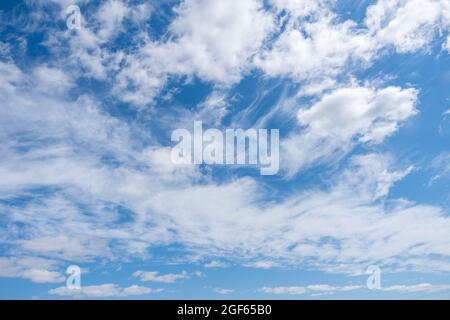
<point x="344" y="118"/>
<point x="64" y="246"/>
<point x="421" y="287"/>
<point x="154" y="276"/>
<point x="159" y="159"/>
<point x="407" y="25"/>
<point x="65" y="3"/>
<point x="110" y="15"/>
<point x="136" y="290"/>
<point x="12" y="76"/>
<point x="315" y="50"/>
<point x="283" y="290"/>
<point x="369" y="113"/>
<point x="5" y="49"/>
<point x="223" y="290"/>
<point x="301" y="9"/>
<point x="362" y="231"/>
<point x="213" y="108"/>
<point x="440" y="167"/>
<point x="447" y="44"/>
<point x="86" y="52"/>
<point x="263" y="264"/>
<point x="102" y="291"/>
<point x="30" y="268"/>
<point x="313" y="44"/>
<point x="321" y="287"/>
<point x="43" y="276"/>
<point x="313" y="289"/>
<point x="341" y="228"/>
<point x="207" y="39"/>
<point x="316" y="44"/>
<point x="214" y="42"/>
<point x="51" y="79"/>
<point x="215" y="264"/>
<point x="297" y="229"/>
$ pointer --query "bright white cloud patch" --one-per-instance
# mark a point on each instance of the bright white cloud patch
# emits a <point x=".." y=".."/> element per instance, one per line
<point x="283" y="290"/>
<point x="315" y="50"/>
<point x="43" y="276"/>
<point x="344" y="118"/>
<point x="421" y="287"/>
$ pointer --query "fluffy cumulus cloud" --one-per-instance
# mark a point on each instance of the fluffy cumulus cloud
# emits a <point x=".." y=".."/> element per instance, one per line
<point x="440" y="167"/>
<point x="88" y="50"/>
<point x="346" y="117"/>
<point x="37" y="270"/>
<point x="324" y="289"/>
<point x="75" y="217"/>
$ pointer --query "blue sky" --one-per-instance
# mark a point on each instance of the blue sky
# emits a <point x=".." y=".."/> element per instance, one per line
<point x="359" y="93"/>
